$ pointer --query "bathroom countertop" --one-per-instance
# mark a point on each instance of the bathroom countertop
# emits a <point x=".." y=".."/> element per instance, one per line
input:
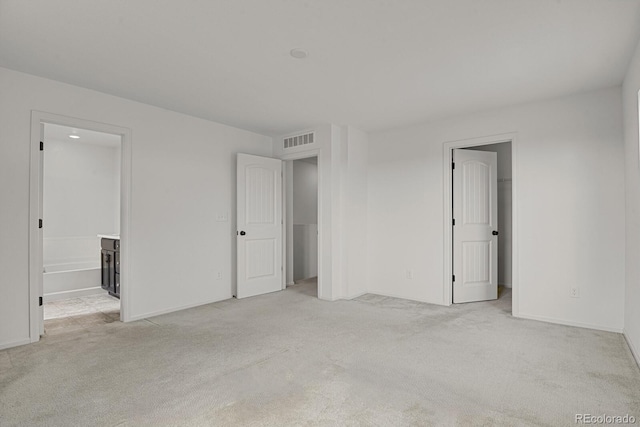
<point x="109" y="236"/>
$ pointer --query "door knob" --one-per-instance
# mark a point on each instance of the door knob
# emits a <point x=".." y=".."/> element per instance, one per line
<point x="494" y="232"/>
<point x="242" y="233"/>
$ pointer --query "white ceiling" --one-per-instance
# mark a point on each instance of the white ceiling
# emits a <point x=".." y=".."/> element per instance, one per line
<point x="61" y="133"/>
<point x="373" y="64"/>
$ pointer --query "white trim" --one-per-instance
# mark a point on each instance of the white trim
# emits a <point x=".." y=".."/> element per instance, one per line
<point x="68" y="270"/>
<point x="407" y="298"/>
<point x="638" y="113"/>
<point x="313" y="152"/>
<point x="287" y="223"/>
<point x="146" y="316"/>
<point x="351" y="297"/>
<point x="634" y="351"/>
<point x="569" y="323"/>
<point x="15" y="343"/>
<point x="35" y="256"/>
<point x="448" y="212"/>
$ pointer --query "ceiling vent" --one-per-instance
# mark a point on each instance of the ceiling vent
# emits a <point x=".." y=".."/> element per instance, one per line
<point x="298" y="140"/>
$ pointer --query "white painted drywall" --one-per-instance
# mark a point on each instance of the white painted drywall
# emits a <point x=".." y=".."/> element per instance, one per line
<point x="183" y="176"/>
<point x="305" y="219"/>
<point x="305" y="192"/>
<point x="504" y="209"/>
<point x="81" y="199"/>
<point x="632" y="174"/>
<point x="570" y="188"/>
<point x="356" y="213"/>
<point x="305" y="251"/>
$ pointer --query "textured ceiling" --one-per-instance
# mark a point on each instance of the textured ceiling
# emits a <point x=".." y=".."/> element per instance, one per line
<point x="373" y="64"/>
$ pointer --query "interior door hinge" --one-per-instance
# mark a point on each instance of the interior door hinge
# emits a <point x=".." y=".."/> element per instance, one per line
<point x="40" y="223"/>
<point x="454" y="221"/>
<point x="454" y="277"/>
<point x="41" y="146"/>
<point x="40" y="301"/>
<point x="453" y="165"/>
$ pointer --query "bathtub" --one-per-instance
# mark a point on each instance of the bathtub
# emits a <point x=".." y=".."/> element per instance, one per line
<point x="71" y="280"/>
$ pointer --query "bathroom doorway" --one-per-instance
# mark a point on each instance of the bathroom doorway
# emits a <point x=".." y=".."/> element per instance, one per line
<point x="80" y="180"/>
<point x="81" y="207"/>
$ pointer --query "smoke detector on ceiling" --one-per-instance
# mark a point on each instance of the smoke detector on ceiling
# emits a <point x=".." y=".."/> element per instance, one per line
<point x="299" y="53"/>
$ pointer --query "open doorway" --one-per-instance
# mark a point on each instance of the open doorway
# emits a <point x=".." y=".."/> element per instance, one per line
<point x="79" y="201"/>
<point x="469" y="257"/>
<point x="302" y="225"/>
<point x="81" y="207"/>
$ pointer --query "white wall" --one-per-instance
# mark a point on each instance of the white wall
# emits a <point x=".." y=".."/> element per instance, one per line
<point x="183" y="176"/>
<point x="570" y="208"/>
<point x="305" y="251"/>
<point x="356" y="214"/>
<point x="503" y="151"/>
<point x="632" y="174"/>
<point x="305" y="192"/>
<point x="305" y="219"/>
<point x="81" y="199"/>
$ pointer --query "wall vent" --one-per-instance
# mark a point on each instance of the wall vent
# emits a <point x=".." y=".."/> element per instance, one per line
<point x="298" y="140"/>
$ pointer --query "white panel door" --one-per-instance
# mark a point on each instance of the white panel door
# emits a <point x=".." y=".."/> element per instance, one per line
<point x="259" y="234"/>
<point x="475" y="230"/>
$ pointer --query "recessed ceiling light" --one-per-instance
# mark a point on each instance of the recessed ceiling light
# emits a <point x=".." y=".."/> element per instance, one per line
<point x="298" y="53"/>
<point x="74" y="136"/>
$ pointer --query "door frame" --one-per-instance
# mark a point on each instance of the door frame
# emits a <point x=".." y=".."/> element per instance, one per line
<point x="288" y="224"/>
<point x="448" y="212"/>
<point x="285" y="179"/>
<point x="35" y="243"/>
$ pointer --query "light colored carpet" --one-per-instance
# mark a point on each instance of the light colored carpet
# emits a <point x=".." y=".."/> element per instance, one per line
<point x="290" y="359"/>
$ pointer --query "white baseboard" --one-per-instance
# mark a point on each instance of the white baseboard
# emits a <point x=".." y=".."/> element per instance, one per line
<point x="634" y="350"/>
<point x="569" y="323"/>
<point x="76" y="293"/>
<point x="171" y="310"/>
<point x="15" y="343"/>
<point x="407" y="298"/>
<point x="350" y="297"/>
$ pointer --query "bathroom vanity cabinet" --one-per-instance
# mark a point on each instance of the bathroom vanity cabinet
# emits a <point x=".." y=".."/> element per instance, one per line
<point x="110" y="265"/>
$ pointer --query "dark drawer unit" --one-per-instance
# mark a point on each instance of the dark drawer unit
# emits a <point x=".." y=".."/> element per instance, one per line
<point x="110" y="266"/>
